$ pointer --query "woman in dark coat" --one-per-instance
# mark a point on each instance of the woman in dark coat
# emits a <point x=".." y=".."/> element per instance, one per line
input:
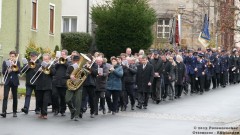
<point x="179" y="76"/>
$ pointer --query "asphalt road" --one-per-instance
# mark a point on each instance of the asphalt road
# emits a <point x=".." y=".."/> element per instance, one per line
<point x="218" y="108"/>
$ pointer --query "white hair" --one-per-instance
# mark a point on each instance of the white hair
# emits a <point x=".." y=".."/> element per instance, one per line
<point x="179" y="58"/>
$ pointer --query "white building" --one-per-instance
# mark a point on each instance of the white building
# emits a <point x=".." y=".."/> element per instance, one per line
<point x="76" y="16"/>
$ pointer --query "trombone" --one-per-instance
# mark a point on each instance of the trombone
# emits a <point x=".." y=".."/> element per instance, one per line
<point x="31" y="64"/>
<point x="41" y="70"/>
<point x="13" y="67"/>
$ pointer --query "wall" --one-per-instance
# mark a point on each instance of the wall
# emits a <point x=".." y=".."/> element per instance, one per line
<point x="41" y="36"/>
<point x="8" y="27"/>
<point x="76" y="8"/>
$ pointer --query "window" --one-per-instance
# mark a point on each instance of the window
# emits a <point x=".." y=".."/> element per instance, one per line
<point x="0" y="13"/>
<point x="52" y="12"/>
<point x="34" y="14"/>
<point x="69" y="24"/>
<point x="163" y="28"/>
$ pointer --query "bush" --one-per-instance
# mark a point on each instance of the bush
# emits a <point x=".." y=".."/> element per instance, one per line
<point x="122" y="24"/>
<point x="80" y="42"/>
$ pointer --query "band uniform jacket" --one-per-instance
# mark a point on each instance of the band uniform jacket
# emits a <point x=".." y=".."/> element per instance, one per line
<point x="102" y="80"/>
<point x="44" y="82"/>
<point x="59" y="79"/>
<point x="91" y="78"/>
<point x="31" y="72"/>
<point x="144" y="76"/>
<point x="13" y="76"/>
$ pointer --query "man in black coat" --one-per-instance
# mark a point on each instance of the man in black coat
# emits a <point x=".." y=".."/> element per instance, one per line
<point x="59" y="85"/>
<point x="144" y="79"/>
<point x="44" y="84"/>
<point x="30" y="72"/>
<point x="157" y="65"/>
<point x="11" y="80"/>
<point x="89" y="86"/>
<point x="129" y="80"/>
<point x="101" y="80"/>
<point x="167" y="73"/>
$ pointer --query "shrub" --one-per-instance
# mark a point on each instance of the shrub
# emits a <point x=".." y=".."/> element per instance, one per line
<point x="80" y="42"/>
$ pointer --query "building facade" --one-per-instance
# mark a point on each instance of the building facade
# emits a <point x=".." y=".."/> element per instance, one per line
<point x="76" y="16"/>
<point x="192" y="17"/>
<point x="25" y="20"/>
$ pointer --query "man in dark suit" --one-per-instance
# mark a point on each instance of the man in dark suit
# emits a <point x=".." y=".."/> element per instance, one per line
<point x="11" y="80"/>
<point x="200" y="73"/>
<point x="157" y="65"/>
<point x="144" y="79"/>
<point x="59" y="85"/>
<point x="31" y="87"/>
<point x="167" y="73"/>
<point x="224" y="68"/>
<point x="44" y="84"/>
<point x="89" y="86"/>
<point x="101" y="81"/>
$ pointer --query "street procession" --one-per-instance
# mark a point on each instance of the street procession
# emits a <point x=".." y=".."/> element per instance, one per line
<point x="114" y="67"/>
<point x="128" y="81"/>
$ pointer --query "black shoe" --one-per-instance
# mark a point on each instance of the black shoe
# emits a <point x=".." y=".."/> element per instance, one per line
<point x="80" y="115"/>
<point x="132" y="107"/>
<point x="113" y="113"/>
<point x="95" y="113"/>
<point x="63" y="114"/>
<point x="121" y="108"/>
<point x="4" y="115"/>
<point x="139" y="106"/>
<point x="144" y="107"/>
<point x="124" y="108"/>
<point x="76" y="119"/>
<point x="55" y="113"/>
<point x="158" y="101"/>
<point x="37" y="112"/>
<point x="14" y="114"/>
<point x="100" y="108"/>
<point x="24" y="110"/>
<point x="91" y="116"/>
<point x="72" y="114"/>
<point x="104" y="111"/>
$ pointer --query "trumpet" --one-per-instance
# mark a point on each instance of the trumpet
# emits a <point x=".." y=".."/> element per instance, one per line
<point x="31" y="64"/>
<point x="13" y="67"/>
<point x="62" y="60"/>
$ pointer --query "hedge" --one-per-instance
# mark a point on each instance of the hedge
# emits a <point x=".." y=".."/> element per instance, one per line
<point x="76" y="41"/>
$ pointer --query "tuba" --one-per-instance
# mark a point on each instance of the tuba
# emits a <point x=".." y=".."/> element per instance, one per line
<point x="80" y="73"/>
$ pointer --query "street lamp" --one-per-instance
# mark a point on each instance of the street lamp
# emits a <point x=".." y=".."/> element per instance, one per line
<point x="180" y="13"/>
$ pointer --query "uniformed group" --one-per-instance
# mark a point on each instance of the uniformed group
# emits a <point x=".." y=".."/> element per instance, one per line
<point x="160" y="75"/>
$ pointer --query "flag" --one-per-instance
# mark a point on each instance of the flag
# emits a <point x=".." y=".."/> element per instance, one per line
<point x="177" y="33"/>
<point x="204" y="36"/>
<point x="172" y="31"/>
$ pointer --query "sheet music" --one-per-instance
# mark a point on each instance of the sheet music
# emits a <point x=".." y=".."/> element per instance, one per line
<point x="100" y="71"/>
<point x="24" y="61"/>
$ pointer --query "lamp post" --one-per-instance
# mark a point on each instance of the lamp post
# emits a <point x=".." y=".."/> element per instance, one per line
<point x="180" y="13"/>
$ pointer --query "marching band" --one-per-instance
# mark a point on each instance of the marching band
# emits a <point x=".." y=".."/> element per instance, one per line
<point x="80" y="81"/>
